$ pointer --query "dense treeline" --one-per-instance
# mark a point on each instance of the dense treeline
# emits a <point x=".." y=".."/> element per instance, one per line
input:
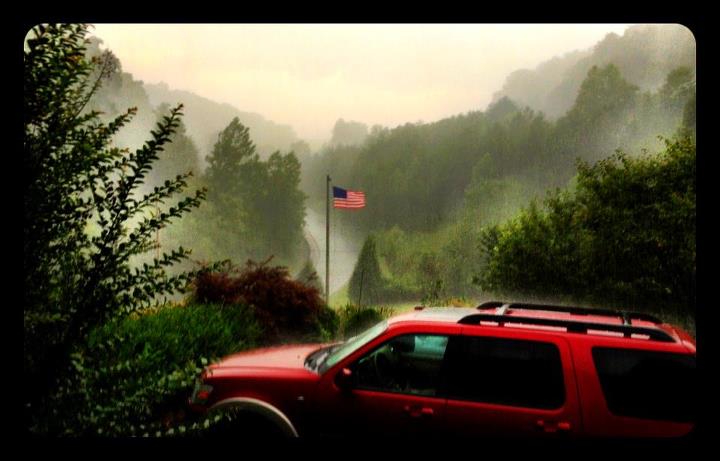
<point x="416" y="176"/>
<point x="432" y="188"/>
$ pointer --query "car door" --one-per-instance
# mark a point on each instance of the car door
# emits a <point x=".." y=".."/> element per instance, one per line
<point x="510" y="383"/>
<point x="394" y="390"/>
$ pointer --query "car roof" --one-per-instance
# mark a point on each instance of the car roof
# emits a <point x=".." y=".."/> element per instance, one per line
<point x="548" y="318"/>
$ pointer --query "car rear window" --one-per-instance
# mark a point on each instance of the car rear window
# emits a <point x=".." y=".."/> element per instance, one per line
<point x="647" y="384"/>
<point x="506" y="372"/>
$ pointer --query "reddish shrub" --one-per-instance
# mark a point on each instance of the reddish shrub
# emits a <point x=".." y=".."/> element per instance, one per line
<point x="287" y="308"/>
<point x="217" y="287"/>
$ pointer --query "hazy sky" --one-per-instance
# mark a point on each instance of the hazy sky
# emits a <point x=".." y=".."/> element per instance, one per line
<point x="310" y="75"/>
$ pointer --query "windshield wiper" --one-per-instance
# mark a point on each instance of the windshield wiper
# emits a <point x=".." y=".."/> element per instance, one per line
<point x="316" y="358"/>
<point x="310" y="360"/>
<point x="328" y="353"/>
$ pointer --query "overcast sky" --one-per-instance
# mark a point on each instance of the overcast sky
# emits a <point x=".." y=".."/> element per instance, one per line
<point x="309" y="75"/>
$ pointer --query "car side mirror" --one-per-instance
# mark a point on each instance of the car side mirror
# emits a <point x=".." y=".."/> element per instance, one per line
<point x="345" y="379"/>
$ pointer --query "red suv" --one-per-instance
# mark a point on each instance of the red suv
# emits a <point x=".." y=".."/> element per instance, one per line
<point x="506" y="369"/>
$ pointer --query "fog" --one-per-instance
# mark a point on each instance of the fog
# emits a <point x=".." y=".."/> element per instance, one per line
<point x="310" y="75"/>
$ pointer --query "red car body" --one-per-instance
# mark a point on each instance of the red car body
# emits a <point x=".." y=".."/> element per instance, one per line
<point x="515" y="370"/>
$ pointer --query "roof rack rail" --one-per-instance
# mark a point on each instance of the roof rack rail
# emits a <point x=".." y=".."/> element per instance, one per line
<point x="571" y="325"/>
<point x="575" y="310"/>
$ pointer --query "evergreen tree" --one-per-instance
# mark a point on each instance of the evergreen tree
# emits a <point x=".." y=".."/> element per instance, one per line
<point x="366" y="282"/>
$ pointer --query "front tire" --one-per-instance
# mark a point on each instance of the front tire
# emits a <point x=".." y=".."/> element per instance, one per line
<point x="245" y="425"/>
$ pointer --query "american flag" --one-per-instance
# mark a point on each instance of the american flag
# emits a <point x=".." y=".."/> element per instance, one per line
<point x="347" y="198"/>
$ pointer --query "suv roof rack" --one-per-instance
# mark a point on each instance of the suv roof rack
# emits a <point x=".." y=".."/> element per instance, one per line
<point x="572" y="326"/>
<point x="574" y="310"/>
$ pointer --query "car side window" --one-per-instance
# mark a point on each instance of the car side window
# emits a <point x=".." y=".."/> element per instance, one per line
<point x="504" y="371"/>
<point x="648" y="384"/>
<point x="407" y="364"/>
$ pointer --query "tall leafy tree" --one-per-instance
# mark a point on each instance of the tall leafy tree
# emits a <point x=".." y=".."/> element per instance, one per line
<point x="599" y="118"/>
<point x="283" y="210"/>
<point x="234" y="156"/>
<point x="84" y="222"/>
<point x="233" y="177"/>
<point x="256" y="207"/>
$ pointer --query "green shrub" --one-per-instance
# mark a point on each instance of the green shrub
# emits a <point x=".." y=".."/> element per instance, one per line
<point x="135" y="374"/>
<point x="328" y="323"/>
<point x="355" y="319"/>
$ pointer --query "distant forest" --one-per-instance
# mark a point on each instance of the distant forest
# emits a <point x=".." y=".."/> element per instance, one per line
<point x="432" y="189"/>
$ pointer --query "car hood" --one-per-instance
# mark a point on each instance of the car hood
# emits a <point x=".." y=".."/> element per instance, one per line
<point x="290" y="356"/>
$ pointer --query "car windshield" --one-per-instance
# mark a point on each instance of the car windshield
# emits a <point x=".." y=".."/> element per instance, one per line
<point x="351" y="345"/>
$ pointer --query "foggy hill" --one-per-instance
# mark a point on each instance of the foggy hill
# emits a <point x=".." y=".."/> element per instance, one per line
<point x="644" y="54"/>
<point x="204" y="118"/>
<point x="118" y="92"/>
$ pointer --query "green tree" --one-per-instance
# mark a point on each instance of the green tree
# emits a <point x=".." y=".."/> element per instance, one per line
<point x="83" y="222"/>
<point x="234" y="176"/>
<point x="233" y="157"/>
<point x="366" y="283"/>
<point x="678" y="88"/>
<point x="625" y="235"/>
<point x="257" y="208"/>
<point x="689" y="122"/>
<point x="282" y="210"/>
<point x="600" y="118"/>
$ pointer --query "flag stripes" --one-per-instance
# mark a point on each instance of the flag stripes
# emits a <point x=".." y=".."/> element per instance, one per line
<point x="348" y="199"/>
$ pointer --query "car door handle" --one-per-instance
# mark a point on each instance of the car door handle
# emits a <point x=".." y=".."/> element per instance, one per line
<point x="417" y="411"/>
<point x="552" y="426"/>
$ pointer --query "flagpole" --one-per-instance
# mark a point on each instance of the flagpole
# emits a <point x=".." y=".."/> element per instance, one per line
<point x="327" y="244"/>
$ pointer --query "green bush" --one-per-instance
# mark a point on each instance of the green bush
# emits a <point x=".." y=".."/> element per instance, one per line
<point x="328" y="323"/>
<point x="135" y="374"/>
<point x="355" y="319"/>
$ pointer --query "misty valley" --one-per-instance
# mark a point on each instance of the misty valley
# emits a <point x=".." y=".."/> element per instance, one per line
<point x="165" y="229"/>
